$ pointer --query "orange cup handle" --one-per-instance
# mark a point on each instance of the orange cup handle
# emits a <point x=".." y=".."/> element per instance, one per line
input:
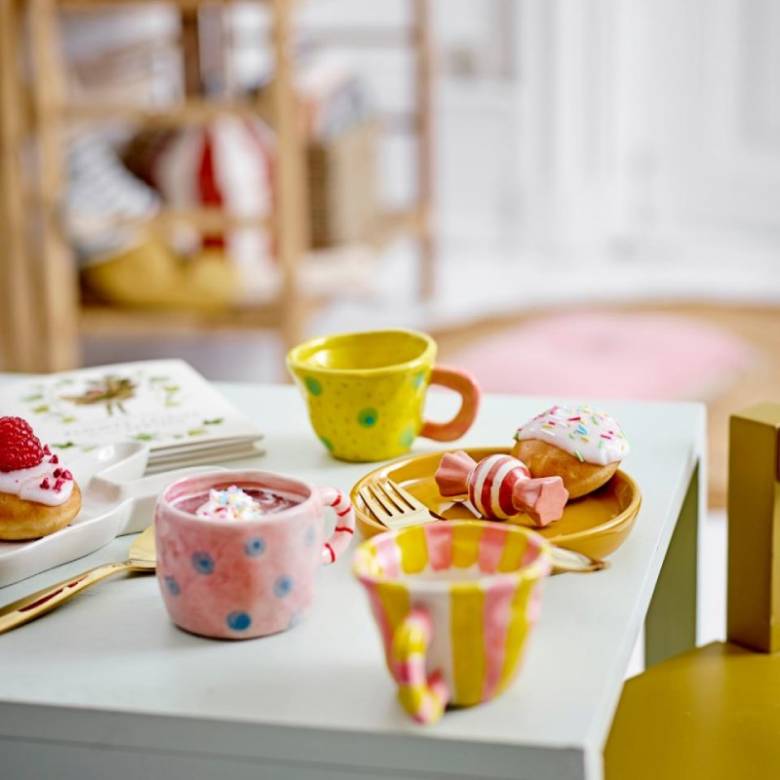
<point x="464" y="384"/>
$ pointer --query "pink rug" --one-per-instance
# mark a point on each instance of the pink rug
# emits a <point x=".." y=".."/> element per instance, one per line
<point x="609" y="355"/>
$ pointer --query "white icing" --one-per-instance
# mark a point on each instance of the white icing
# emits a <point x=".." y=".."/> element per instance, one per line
<point x="234" y="504"/>
<point x="11" y="481"/>
<point x="32" y="491"/>
<point x="592" y="437"/>
<point x="26" y="483"/>
<point x="230" y="504"/>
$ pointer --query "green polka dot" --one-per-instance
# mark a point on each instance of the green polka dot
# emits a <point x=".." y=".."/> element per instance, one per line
<point x="407" y="437"/>
<point x="418" y="379"/>
<point x="312" y="385"/>
<point x="327" y="442"/>
<point x="368" y="417"/>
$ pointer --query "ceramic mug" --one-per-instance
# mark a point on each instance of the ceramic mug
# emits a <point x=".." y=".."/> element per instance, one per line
<point x="366" y="391"/>
<point x="239" y="579"/>
<point x="454" y="602"/>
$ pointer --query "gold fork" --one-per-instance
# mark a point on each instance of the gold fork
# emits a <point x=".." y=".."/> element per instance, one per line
<point x="142" y="558"/>
<point x="394" y="506"/>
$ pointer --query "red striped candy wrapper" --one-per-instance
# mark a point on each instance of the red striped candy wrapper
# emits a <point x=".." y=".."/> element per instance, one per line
<point x="500" y="487"/>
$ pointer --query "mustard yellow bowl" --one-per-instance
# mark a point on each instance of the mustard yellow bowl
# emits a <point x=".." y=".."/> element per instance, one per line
<point x="594" y="525"/>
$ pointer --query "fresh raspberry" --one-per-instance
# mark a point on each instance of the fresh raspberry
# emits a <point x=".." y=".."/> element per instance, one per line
<point x="19" y="447"/>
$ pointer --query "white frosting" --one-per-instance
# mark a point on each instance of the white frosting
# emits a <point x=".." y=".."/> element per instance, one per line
<point x="234" y="504"/>
<point x="39" y="483"/>
<point x="592" y="437"/>
<point x="11" y="481"/>
<point x="230" y="504"/>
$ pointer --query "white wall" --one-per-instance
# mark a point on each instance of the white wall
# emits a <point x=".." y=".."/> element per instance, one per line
<point x="703" y="119"/>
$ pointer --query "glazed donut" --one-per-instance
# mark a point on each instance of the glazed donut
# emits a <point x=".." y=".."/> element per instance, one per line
<point x="38" y="495"/>
<point x="580" y="445"/>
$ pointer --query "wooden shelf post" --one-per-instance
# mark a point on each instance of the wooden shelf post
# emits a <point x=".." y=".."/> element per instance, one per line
<point x="57" y="291"/>
<point x="291" y="228"/>
<point x="424" y="67"/>
<point x="18" y="326"/>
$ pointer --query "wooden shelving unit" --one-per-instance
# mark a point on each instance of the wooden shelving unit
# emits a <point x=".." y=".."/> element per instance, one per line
<point x="41" y="315"/>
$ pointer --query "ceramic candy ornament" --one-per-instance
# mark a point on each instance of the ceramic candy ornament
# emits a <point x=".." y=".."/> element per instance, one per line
<point x="582" y="446"/>
<point x="500" y="487"/>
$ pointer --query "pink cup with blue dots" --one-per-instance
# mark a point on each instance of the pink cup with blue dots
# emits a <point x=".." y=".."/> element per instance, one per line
<point x="237" y="551"/>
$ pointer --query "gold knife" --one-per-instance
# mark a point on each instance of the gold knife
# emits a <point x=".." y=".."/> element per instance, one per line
<point x="142" y="558"/>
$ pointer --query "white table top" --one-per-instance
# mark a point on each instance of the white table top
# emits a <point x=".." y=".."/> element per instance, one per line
<point x="112" y="654"/>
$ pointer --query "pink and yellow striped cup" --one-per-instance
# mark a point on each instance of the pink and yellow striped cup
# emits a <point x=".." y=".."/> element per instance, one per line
<point x="455" y="602"/>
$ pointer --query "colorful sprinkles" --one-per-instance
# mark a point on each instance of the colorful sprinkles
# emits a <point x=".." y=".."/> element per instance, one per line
<point x="588" y="435"/>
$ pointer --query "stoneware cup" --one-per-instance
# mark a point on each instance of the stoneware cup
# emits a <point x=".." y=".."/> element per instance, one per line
<point x="242" y="579"/>
<point x="366" y="392"/>
<point x="454" y="603"/>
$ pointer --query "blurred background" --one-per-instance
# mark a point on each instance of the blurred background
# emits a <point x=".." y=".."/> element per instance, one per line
<point x="576" y="199"/>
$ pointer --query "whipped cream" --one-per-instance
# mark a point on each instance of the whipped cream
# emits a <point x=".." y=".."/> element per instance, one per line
<point x="234" y="504"/>
<point x="592" y="437"/>
<point x="48" y="483"/>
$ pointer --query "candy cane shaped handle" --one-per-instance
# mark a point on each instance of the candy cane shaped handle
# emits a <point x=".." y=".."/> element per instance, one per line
<point x="345" y="524"/>
<point x="423" y="696"/>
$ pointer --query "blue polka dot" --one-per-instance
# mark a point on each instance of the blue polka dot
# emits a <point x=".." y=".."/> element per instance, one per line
<point x="310" y="536"/>
<point x="203" y="562"/>
<point x="239" y="621"/>
<point x="313" y="385"/>
<point x="283" y="586"/>
<point x="367" y="417"/>
<point x="173" y="586"/>
<point x="407" y="437"/>
<point x="255" y="547"/>
<point x="418" y="379"/>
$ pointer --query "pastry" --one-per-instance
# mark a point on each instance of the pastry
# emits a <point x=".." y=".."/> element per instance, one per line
<point x="500" y="487"/>
<point x="581" y="446"/>
<point x="38" y="495"/>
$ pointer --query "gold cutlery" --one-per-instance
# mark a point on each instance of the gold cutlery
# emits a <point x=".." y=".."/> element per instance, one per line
<point x="141" y="559"/>
<point x="395" y="507"/>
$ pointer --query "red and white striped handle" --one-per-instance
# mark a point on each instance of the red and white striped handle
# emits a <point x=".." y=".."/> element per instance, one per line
<point x="345" y="524"/>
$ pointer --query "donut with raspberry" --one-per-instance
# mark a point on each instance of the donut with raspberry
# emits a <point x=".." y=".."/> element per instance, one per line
<point x="38" y="495"/>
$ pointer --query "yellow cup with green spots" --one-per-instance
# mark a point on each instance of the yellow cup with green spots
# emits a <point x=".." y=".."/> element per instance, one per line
<point x="366" y="392"/>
